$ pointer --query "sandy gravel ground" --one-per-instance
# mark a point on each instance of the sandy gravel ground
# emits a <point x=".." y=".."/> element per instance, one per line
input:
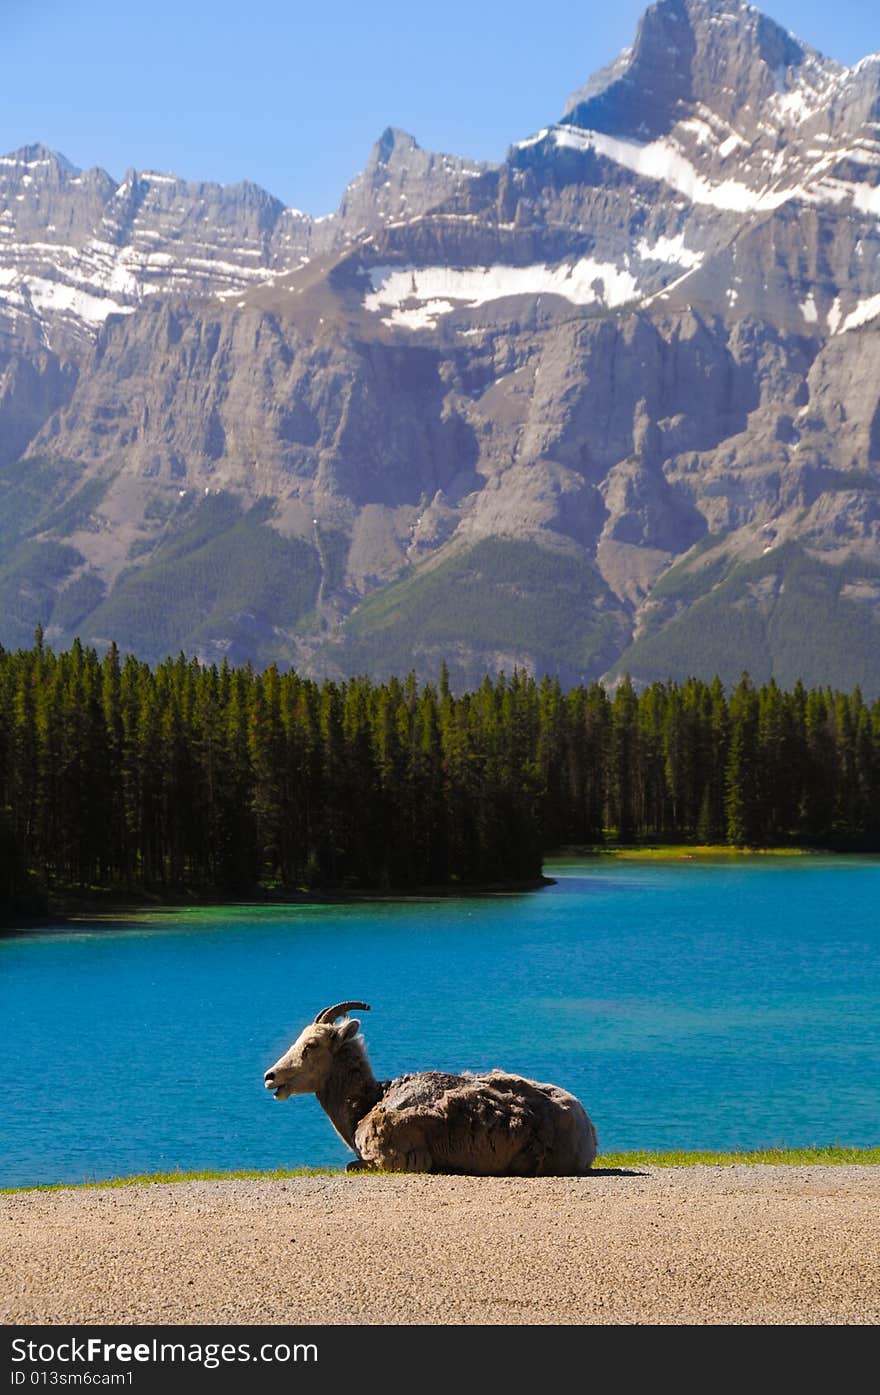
<point x="735" y="1245"/>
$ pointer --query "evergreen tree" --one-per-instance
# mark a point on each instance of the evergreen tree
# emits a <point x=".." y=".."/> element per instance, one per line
<point x="743" y="794"/>
<point x="625" y="787"/>
<point x="116" y="775"/>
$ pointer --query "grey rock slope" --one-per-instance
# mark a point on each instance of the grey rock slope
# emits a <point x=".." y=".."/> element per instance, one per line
<point x="612" y="405"/>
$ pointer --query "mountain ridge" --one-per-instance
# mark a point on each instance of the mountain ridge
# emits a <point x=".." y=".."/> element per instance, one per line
<point x="643" y="345"/>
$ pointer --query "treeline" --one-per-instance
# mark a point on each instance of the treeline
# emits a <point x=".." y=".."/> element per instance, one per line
<point x="121" y="776"/>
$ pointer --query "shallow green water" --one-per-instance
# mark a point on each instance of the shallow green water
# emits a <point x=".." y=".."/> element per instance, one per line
<point x="719" y="1005"/>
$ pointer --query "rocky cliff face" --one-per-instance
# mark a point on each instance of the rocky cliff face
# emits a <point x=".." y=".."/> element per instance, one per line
<point x="611" y="405"/>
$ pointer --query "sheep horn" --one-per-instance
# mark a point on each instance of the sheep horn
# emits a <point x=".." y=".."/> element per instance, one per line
<point x="330" y="1014"/>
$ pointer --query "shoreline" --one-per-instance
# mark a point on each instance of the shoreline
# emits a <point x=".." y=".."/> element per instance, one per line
<point x="116" y="909"/>
<point x="620" y="1163"/>
<point x="686" y="852"/>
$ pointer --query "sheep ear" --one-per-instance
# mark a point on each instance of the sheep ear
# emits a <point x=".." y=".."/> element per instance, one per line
<point x="349" y="1029"/>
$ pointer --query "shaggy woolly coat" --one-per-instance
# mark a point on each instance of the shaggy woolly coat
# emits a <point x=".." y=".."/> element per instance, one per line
<point x="493" y="1125"/>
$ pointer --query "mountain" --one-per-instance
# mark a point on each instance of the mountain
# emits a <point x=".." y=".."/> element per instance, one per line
<point x="611" y="405"/>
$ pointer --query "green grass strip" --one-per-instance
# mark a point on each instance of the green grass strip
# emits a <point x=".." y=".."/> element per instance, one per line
<point x="775" y="1157"/>
<point x="148" y="1179"/>
<point x="681" y="852"/>
<point x="789" y="1157"/>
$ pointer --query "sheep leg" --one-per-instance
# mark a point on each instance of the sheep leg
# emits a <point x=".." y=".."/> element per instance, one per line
<point x="417" y="1160"/>
<point x="359" y="1165"/>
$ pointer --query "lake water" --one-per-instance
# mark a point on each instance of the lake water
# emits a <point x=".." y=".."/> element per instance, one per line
<point x="720" y="1005"/>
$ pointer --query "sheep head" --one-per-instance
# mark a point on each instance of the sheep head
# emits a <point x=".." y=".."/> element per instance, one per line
<point x="307" y="1066"/>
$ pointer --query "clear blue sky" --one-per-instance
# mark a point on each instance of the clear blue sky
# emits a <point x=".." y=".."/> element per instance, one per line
<point x="292" y="95"/>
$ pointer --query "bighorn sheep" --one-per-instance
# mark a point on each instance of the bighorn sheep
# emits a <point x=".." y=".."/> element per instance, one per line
<point x="494" y="1124"/>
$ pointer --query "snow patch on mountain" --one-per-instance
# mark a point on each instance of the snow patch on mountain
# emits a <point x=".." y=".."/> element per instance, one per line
<point x="664" y="161"/>
<point x="661" y="160"/>
<point x="864" y="313"/>
<point x="669" y="250"/>
<point x="415" y="297"/>
<point x="729" y="144"/>
<point x="66" y="300"/>
<point x="866" y="199"/>
<point x="88" y="283"/>
<point x="44" y="295"/>
<point x="809" y="309"/>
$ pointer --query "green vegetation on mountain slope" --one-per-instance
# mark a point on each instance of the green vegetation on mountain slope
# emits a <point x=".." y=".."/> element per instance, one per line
<point x="36" y="503"/>
<point x="30" y="492"/>
<point x="226" y="578"/>
<point x="786" y="615"/>
<point x="547" y="610"/>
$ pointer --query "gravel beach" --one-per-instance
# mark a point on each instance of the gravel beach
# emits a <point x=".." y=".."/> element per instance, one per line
<point x="732" y="1245"/>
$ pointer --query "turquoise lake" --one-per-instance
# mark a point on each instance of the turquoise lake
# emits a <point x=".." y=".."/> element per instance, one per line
<point x="728" y="1004"/>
